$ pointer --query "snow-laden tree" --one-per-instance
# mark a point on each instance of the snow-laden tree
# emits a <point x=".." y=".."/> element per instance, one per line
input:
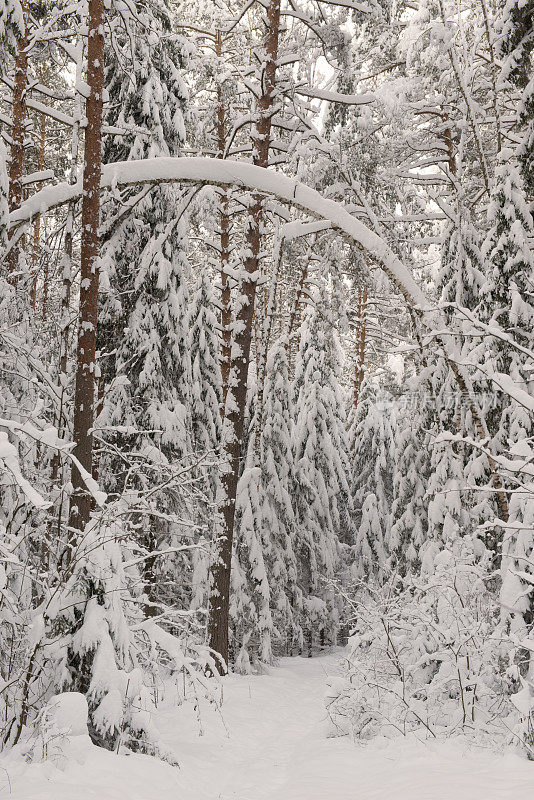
<point x="321" y="490"/>
<point x="507" y="309"/>
<point x="447" y="518"/>
<point x="461" y="272"/>
<point x="369" y="550"/>
<point x="372" y="462"/>
<point x="205" y="370"/>
<point x="143" y="338"/>
<point x="250" y="597"/>
<point x="506" y="296"/>
<point x="410" y="473"/>
<point x="277" y="514"/>
<point x="145" y="298"/>
<point x="206" y="425"/>
<point x="11" y="23"/>
<point x="419" y="649"/>
<point x="95" y="648"/>
<point x="515" y="45"/>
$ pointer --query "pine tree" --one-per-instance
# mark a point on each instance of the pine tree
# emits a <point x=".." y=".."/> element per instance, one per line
<point x="205" y="370"/>
<point x="507" y="303"/>
<point x="144" y="337"/>
<point x="96" y="651"/>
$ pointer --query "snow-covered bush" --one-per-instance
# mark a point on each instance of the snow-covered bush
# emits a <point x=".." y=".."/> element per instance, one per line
<point x="60" y="734"/>
<point x="425" y="654"/>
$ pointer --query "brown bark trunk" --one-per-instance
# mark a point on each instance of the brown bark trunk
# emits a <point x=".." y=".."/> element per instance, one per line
<point x="16" y="166"/>
<point x="447" y="139"/>
<point x="226" y="300"/>
<point x="37" y="230"/>
<point x="84" y="393"/>
<point x="224" y="221"/>
<point x="234" y="418"/>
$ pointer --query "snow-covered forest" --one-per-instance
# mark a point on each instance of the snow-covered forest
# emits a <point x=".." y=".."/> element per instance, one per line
<point x="266" y="399"/>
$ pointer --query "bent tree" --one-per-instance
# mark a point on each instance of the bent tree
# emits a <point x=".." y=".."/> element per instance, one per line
<point x="260" y="180"/>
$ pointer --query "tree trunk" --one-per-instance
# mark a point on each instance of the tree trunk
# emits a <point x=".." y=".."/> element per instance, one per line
<point x="37" y="231"/>
<point x="16" y="166"/>
<point x="235" y="414"/>
<point x="84" y="393"/>
<point x="224" y="221"/>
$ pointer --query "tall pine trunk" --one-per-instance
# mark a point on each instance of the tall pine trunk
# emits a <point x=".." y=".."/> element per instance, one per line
<point x="224" y="221"/>
<point x="235" y="414"/>
<point x="84" y="393"/>
<point x="18" y="130"/>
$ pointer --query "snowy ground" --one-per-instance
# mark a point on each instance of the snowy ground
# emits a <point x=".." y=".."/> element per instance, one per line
<point x="274" y="747"/>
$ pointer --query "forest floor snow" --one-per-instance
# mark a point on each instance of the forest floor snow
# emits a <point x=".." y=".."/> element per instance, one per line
<point x="270" y="743"/>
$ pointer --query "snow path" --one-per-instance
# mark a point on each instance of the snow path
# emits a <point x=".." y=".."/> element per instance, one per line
<point x="274" y="730"/>
<point x="274" y="747"/>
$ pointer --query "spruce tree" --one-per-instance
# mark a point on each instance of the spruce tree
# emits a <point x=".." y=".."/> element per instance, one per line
<point x="516" y="41"/>
<point x="409" y="521"/>
<point x="321" y="465"/>
<point x="206" y="425"/>
<point x="276" y="482"/>
<point x="372" y="459"/>
<point x="143" y="341"/>
<point x="250" y="597"/>
<point x="11" y="24"/>
<point x="506" y="297"/>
